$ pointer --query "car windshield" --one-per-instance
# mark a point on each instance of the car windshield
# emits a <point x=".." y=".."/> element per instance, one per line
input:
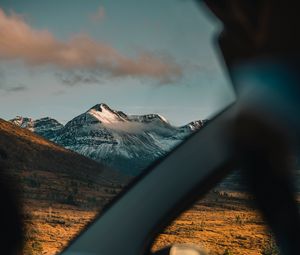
<point x="92" y="94"/>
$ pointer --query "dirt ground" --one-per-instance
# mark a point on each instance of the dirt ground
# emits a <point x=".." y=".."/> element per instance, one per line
<point x="223" y="223"/>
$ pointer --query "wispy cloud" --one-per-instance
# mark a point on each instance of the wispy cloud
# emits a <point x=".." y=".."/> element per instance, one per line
<point x="77" y="77"/>
<point x="17" y="88"/>
<point x="19" y="41"/>
<point x="13" y="88"/>
<point x="98" y="15"/>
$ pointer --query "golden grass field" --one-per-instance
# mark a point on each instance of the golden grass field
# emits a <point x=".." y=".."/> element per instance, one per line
<point x="222" y="223"/>
<point x="49" y="228"/>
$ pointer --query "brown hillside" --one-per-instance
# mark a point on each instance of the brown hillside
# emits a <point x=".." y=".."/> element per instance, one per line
<point x="61" y="190"/>
<point x="28" y="151"/>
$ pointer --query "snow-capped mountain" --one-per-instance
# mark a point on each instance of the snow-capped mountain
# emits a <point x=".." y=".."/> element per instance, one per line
<point x="23" y="122"/>
<point x="46" y="127"/>
<point x="128" y="143"/>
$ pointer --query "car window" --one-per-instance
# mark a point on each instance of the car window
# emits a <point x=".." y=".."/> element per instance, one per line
<point x="92" y="94"/>
<point x="226" y="221"/>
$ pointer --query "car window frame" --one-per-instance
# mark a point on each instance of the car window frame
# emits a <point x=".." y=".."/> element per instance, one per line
<point x="216" y="127"/>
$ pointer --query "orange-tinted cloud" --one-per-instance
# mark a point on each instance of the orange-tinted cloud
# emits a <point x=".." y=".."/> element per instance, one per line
<point x="19" y="41"/>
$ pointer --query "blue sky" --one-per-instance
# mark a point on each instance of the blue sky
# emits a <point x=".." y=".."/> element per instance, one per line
<point x="150" y="57"/>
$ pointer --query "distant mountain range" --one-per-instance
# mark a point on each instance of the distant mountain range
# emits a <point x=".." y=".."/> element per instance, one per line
<point x="128" y="143"/>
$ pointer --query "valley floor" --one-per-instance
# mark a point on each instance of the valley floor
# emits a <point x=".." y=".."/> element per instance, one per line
<point x="50" y="228"/>
<point x="222" y="223"/>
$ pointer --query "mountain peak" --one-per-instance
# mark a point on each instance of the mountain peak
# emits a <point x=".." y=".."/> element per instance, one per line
<point x="150" y="118"/>
<point x="43" y="126"/>
<point x="100" y="107"/>
<point x="23" y="122"/>
<point x="103" y="113"/>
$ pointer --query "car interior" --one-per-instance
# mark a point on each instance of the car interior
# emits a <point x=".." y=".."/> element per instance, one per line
<point x="148" y="127"/>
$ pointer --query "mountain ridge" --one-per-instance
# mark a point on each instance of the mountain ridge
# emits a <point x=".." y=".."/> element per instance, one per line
<point x="128" y="143"/>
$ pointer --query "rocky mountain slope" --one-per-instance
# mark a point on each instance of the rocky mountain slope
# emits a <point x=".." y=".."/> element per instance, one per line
<point x="128" y="143"/>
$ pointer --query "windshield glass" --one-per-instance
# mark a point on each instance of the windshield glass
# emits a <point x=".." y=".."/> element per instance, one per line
<point x="93" y="93"/>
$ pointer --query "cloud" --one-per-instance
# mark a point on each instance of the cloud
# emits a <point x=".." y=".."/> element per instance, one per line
<point x="17" y="88"/>
<point x="19" y="41"/>
<point x="76" y="77"/>
<point x="99" y="15"/>
<point x="140" y="128"/>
